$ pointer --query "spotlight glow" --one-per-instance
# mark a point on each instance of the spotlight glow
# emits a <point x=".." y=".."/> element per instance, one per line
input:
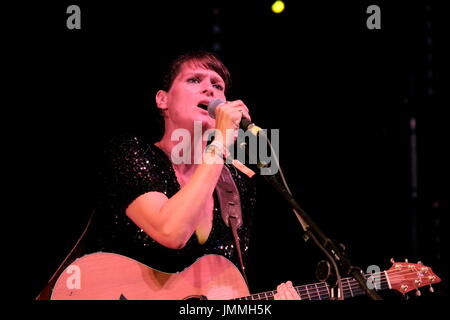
<point x="278" y="6"/>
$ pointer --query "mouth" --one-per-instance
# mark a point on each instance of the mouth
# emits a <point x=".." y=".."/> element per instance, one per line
<point x="203" y="106"/>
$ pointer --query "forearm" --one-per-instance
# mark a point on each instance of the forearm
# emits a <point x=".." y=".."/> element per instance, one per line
<point x="182" y="212"/>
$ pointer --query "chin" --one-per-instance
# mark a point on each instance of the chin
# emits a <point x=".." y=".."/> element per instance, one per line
<point x="207" y="123"/>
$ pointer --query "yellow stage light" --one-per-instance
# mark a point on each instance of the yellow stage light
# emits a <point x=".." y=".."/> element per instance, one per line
<point x="278" y="6"/>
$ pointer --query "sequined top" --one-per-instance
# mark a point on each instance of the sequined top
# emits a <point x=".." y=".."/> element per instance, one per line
<point x="133" y="167"/>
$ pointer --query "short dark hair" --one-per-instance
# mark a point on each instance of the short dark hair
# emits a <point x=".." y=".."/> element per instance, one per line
<point x="204" y="59"/>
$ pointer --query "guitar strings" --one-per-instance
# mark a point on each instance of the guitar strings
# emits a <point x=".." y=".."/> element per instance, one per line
<point x="350" y="285"/>
<point x="322" y="288"/>
<point x="321" y="291"/>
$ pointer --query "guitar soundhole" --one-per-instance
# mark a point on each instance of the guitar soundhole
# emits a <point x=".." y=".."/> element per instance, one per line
<point x="196" y="297"/>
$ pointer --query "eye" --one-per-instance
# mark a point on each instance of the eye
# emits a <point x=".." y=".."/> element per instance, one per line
<point x="218" y="86"/>
<point x="193" y="80"/>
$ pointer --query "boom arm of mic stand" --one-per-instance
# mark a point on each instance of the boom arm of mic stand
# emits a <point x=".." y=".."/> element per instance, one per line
<point x="336" y="253"/>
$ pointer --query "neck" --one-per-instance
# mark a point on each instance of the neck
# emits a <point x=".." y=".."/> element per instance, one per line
<point x="185" y="153"/>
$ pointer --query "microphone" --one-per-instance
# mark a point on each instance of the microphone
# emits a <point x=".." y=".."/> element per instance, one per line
<point x="245" y="124"/>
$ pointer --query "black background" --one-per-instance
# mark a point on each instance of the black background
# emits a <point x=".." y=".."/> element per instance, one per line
<point x="341" y="95"/>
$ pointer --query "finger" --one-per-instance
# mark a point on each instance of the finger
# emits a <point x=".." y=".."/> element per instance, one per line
<point x="284" y="293"/>
<point x="234" y="110"/>
<point x="244" y="112"/>
<point x="238" y="104"/>
<point x="277" y="295"/>
<point x="292" y="292"/>
<point x="226" y="114"/>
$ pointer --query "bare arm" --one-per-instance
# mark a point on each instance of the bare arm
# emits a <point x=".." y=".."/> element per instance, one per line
<point x="171" y="222"/>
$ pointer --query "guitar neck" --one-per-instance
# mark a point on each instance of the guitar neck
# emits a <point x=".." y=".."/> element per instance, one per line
<point x="321" y="290"/>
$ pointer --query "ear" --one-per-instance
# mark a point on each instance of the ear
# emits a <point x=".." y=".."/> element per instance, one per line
<point x="161" y="100"/>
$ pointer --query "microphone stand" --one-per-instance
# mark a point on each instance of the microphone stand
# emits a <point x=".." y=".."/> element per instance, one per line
<point x="334" y="252"/>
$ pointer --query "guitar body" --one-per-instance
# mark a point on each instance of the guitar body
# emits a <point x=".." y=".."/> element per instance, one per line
<point x="109" y="276"/>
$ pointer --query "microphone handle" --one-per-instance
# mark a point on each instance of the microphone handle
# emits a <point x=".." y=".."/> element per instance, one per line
<point x="245" y="123"/>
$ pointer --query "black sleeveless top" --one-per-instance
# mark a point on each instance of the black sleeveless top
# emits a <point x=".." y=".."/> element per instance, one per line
<point x="133" y="167"/>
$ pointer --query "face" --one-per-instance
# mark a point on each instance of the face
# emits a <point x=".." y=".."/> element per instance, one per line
<point x="193" y="86"/>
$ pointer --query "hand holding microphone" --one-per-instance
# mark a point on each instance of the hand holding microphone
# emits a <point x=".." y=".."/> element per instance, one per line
<point x="231" y="115"/>
<point x="228" y="115"/>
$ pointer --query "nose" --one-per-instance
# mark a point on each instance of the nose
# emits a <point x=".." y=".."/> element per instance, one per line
<point x="208" y="92"/>
<point x="208" y="89"/>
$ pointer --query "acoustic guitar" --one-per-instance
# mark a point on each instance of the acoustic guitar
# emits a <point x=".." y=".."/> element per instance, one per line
<point x="109" y="276"/>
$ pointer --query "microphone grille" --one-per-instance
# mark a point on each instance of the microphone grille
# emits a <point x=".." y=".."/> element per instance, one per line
<point x="212" y="106"/>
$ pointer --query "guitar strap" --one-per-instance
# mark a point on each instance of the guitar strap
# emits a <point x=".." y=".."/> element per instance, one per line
<point x="230" y="206"/>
